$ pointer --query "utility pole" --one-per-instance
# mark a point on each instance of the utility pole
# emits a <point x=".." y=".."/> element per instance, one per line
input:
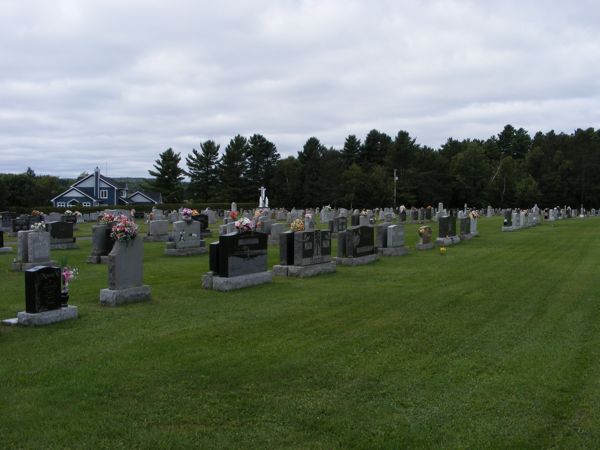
<point x="395" y="181"/>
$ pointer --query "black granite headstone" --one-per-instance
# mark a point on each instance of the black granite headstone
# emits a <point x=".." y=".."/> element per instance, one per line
<point x="42" y="289"/>
<point x="20" y="224"/>
<point x="1" y="238"/>
<point x="360" y="241"/>
<point x="325" y="246"/>
<point x="70" y="219"/>
<point x="60" y="230"/>
<point x="508" y="218"/>
<point x="444" y="227"/>
<point x="452" y="226"/>
<point x="428" y="213"/>
<point x="286" y="248"/>
<point x="403" y="216"/>
<point x="241" y="254"/>
<point x="354" y="220"/>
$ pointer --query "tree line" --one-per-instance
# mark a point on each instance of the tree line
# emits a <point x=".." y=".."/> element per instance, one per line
<point x="510" y="169"/>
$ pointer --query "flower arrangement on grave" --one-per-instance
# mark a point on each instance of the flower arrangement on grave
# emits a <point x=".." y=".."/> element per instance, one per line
<point x="442" y="251"/>
<point x="363" y="213"/>
<point x="124" y="229"/>
<point x="233" y="215"/>
<point x="327" y="208"/>
<point x="68" y="275"/>
<point x="106" y="218"/>
<point x="402" y="208"/>
<point x="473" y="214"/>
<point x="424" y="230"/>
<point x="429" y="207"/>
<point x="68" y="212"/>
<point x="245" y="225"/>
<point x="186" y="214"/>
<point x="38" y="226"/>
<point x="308" y="216"/>
<point x="297" y="225"/>
<point x="195" y="213"/>
<point x="36" y="213"/>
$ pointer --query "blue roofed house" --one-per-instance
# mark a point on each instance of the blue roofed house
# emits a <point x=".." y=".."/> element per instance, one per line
<point x="98" y="190"/>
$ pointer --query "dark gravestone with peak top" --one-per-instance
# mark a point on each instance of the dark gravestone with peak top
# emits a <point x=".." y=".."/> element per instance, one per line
<point x="42" y="289"/>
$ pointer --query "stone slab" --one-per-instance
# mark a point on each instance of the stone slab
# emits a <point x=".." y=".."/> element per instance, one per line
<point x="304" y="271"/>
<point x="47" y="317"/>
<point x="508" y="229"/>
<point x="6" y="249"/>
<point x="466" y="237"/>
<point x="428" y="246"/>
<point x="393" y="251"/>
<point x="18" y="266"/>
<point x="116" y="297"/>
<point x="185" y="251"/>
<point x="224" y="284"/>
<point x="10" y="322"/>
<point x="358" y="261"/>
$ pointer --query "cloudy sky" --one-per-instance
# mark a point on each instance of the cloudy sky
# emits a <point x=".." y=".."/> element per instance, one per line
<point x="112" y="83"/>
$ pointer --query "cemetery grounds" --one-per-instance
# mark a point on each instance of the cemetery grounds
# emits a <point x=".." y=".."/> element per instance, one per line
<point x="496" y="344"/>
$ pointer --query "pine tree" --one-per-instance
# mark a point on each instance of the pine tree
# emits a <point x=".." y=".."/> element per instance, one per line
<point x="168" y="177"/>
<point x="262" y="159"/>
<point x="233" y="169"/>
<point x="203" y="170"/>
<point x="351" y="151"/>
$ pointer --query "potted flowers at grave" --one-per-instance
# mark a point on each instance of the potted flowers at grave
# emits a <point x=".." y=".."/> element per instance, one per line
<point x="186" y="214"/>
<point x="425" y="234"/>
<point x="195" y="214"/>
<point x="474" y="214"/>
<point x="124" y="230"/>
<point x="68" y="275"/>
<point x="38" y="226"/>
<point x="245" y="225"/>
<point x="106" y="219"/>
<point x="297" y="225"/>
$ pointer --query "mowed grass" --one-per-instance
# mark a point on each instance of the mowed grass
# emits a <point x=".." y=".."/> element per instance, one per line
<point x="494" y="345"/>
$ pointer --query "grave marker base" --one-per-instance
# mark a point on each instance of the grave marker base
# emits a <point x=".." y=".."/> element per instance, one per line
<point x="47" y="317"/>
<point x="5" y="249"/>
<point x="359" y="261"/>
<point x="185" y="251"/>
<point x="156" y="238"/>
<point x="116" y="297"/>
<point x="393" y="251"/>
<point x="224" y="284"/>
<point x="304" y="271"/>
<point x="428" y="246"/>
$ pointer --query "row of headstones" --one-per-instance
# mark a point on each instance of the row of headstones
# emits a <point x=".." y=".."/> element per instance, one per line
<point x="236" y="260"/>
<point x="520" y="219"/>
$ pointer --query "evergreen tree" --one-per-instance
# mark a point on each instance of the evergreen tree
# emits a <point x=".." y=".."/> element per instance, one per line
<point x="262" y="159"/>
<point x="233" y="187"/>
<point x="310" y="160"/>
<point x="374" y="149"/>
<point x="168" y="177"/>
<point x="203" y="170"/>
<point x="351" y="151"/>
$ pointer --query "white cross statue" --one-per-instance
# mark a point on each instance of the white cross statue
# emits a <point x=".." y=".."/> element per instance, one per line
<point x="262" y="200"/>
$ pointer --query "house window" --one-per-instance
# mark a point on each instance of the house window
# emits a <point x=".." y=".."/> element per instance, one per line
<point x="60" y="204"/>
<point x="103" y="193"/>
<point x="86" y="204"/>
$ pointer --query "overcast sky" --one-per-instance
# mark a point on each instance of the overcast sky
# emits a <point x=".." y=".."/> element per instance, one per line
<point x="113" y="83"/>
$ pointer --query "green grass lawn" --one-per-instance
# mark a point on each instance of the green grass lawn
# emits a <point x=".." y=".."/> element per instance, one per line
<point x="494" y="345"/>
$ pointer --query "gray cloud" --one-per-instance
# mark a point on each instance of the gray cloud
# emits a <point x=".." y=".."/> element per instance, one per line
<point x="110" y="83"/>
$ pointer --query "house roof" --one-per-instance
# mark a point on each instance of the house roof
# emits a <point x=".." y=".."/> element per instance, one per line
<point x="112" y="182"/>
<point x="72" y="188"/>
<point x="152" y="196"/>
